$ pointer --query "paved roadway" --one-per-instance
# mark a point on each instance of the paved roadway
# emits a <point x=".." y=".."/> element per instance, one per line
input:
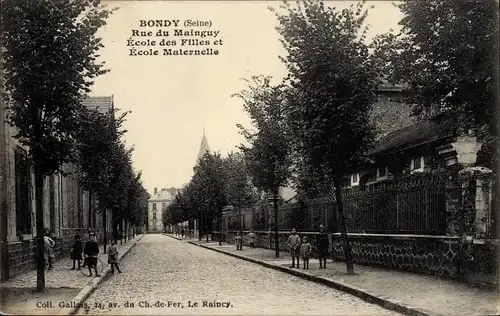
<point x="160" y="270"/>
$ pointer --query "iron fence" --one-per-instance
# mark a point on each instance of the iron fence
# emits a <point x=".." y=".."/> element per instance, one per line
<point x="423" y="204"/>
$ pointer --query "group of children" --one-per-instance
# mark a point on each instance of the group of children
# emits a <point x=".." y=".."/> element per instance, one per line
<point x="239" y="240"/>
<point x="303" y="248"/>
<point x="91" y="251"/>
<point x="298" y="248"/>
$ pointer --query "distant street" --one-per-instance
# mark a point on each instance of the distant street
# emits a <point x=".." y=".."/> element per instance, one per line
<point x="163" y="271"/>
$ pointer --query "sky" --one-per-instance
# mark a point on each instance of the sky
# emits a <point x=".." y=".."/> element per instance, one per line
<point x="172" y="99"/>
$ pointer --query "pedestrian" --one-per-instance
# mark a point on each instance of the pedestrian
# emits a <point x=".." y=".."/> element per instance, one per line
<point x="91" y="251"/>
<point x="113" y="257"/>
<point x="322" y="243"/>
<point x="49" y="248"/>
<point x="87" y="239"/>
<point x="251" y="239"/>
<point x="76" y="251"/>
<point x="239" y="241"/>
<point x="182" y="232"/>
<point x="293" y="244"/>
<point x="305" y="251"/>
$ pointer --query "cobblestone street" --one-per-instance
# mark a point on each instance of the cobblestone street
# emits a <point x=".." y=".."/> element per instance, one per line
<point x="160" y="269"/>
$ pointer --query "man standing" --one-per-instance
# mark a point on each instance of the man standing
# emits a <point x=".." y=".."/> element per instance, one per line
<point x="322" y="243"/>
<point x="293" y="244"/>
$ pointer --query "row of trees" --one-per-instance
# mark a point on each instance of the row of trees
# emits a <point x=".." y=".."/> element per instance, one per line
<point x="49" y="60"/>
<point x="106" y="170"/>
<point x="314" y="126"/>
<point x="218" y="182"/>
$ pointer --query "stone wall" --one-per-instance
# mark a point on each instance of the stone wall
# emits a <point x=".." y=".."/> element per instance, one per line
<point x="439" y="256"/>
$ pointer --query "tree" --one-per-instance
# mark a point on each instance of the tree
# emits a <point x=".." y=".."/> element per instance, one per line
<point x="268" y="157"/>
<point x="50" y="50"/>
<point x="237" y="183"/>
<point x="332" y="79"/>
<point x="97" y="137"/>
<point x="446" y="56"/>
<point x="211" y="180"/>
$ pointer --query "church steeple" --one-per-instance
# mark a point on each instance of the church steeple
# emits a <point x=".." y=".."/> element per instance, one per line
<point x="204" y="148"/>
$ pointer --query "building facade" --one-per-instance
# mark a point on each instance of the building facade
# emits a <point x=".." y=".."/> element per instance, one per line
<point x="156" y="204"/>
<point x="68" y="209"/>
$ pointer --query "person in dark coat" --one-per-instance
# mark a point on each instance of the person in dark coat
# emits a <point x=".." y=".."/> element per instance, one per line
<point x="322" y="243"/>
<point x="91" y="251"/>
<point x="76" y="251"/>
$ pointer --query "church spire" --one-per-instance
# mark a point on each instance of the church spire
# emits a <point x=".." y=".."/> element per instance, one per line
<point x="204" y="148"/>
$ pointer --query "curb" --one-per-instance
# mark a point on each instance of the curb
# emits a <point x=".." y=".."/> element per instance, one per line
<point x="84" y="293"/>
<point x="385" y="302"/>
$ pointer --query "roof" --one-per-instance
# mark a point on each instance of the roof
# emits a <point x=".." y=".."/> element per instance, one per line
<point x="424" y="131"/>
<point x="103" y="105"/>
<point x="204" y="148"/>
<point x="164" y="195"/>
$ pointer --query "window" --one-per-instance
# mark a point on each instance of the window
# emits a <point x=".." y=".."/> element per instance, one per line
<point x="22" y="188"/>
<point x="163" y="205"/>
<point x="417" y="164"/>
<point x="154" y="215"/>
<point x="382" y="172"/>
<point x="355" y="178"/>
<point x="154" y="206"/>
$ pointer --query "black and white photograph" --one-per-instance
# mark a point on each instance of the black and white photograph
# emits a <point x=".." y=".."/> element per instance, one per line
<point x="249" y="157"/>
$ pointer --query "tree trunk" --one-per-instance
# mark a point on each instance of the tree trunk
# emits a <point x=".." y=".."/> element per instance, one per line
<point x="241" y="221"/>
<point x="206" y="227"/>
<point x="90" y="208"/>
<point x="343" y="227"/>
<point x="120" y="227"/>
<point x="40" y="230"/>
<point x="220" y="228"/>
<point x="200" y="225"/>
<point x="276" y="228"/>
<point x="105" y="228"/>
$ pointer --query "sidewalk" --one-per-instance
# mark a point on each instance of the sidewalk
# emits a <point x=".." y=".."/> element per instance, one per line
<point x="19" y="296"/>
<point x="410" y="293"/>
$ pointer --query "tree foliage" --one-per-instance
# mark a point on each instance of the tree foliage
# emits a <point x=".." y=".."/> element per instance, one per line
<point x="106" y="166"/>
<point x="445" y="55"/>
<point x="50" y="50"/>
<point x="237" y="183"/>
<point x="268" y="157"/>
<point x="332" y="79"/>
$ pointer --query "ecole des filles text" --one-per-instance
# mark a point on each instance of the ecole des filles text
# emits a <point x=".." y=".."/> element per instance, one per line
<point x="148" y="44"/>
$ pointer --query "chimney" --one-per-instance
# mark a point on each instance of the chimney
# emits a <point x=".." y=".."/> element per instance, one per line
<point x="156" y="190"/>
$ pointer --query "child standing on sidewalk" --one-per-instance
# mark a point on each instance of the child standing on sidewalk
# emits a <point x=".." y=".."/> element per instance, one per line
<point x="251" y="239"/>
<point x="49" y="248"/>
<point x="239" y="241"/>
<point x="113" y="257"/>
<point x="91" y="251"/>
<point x="305" y="251"/>
<point x="293" y="244"/>
<point x="76" y="251"/>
